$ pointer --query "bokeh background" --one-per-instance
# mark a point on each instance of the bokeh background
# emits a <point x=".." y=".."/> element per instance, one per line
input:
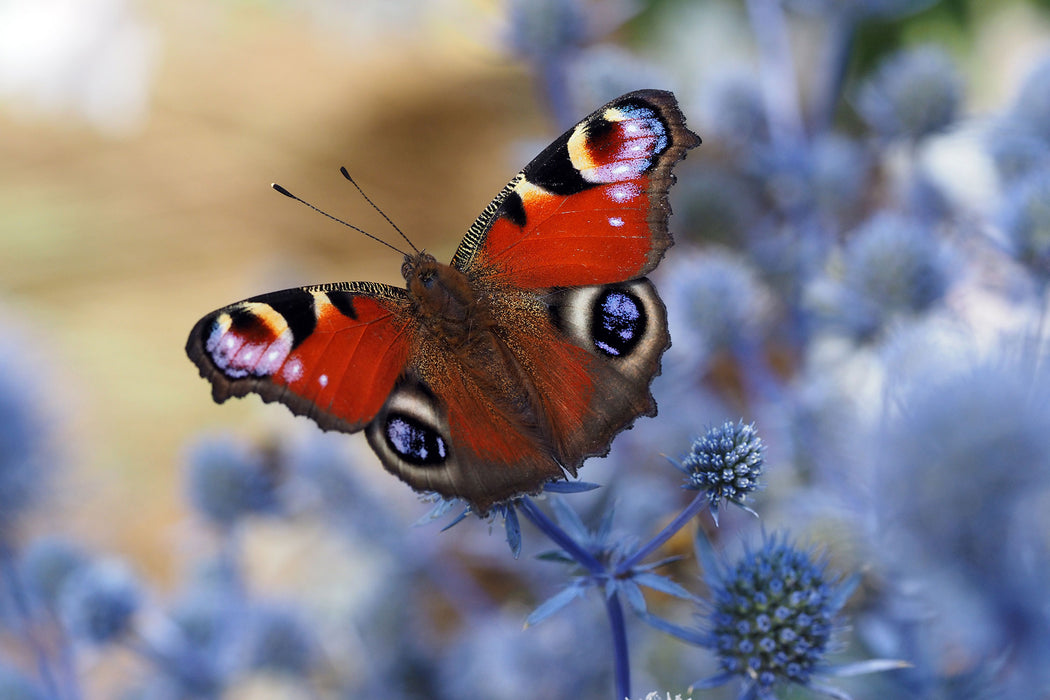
<point x="138" y="140"/>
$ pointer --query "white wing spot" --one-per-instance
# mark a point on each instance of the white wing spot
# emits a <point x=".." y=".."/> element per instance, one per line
<point x="323" y="380"/>
<point x="623" y="192"/>
<point x="293" y="370"/>
<point x="615" y="221"/>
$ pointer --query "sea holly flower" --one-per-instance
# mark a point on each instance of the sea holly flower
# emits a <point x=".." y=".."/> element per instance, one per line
<point x="771" y="619"/>
<point x="725" y="464"/>
<point x="599" y="556"/>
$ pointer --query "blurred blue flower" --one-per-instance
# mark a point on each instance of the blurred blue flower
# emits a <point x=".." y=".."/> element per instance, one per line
<point x="787" y="175"/>
<point x="841" y="176"/>
<point x="200" y="652"/>
<point x="963" y="469"/>
<point x="99" y="601"/>
<point x="714" y="204"/>
<point x="726" y="463"/>
<point x="715" y="305"/>
<point x="1032" y="105"/>
<point x="15" y="686"/>
<point x="23" y="448"/>
<point x="1017" y="151"/>
<point x="229" y="480"/>
<point x="544" y="29"/>
<point x="913" y="93"/>
<point x="281" y="641"/>
<point x="891" y="266"/>
<point x="1025" y="218"/>
<point x="736" y="113"/>
<point x="493" y="658"/>
<point x="601" y="73"/>
<point x="47" y="563"/>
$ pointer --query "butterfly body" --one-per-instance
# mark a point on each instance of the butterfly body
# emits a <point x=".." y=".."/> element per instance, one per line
<point x="488" y="377"/>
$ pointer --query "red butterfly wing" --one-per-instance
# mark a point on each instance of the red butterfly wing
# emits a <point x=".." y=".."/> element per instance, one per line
<point x="487" y="378"/>
<point x="592" y="208"/>
<point x="331" y="352"/>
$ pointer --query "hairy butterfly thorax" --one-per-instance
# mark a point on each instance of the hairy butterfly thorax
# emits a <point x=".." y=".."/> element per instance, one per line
<point x="488" y="377"/>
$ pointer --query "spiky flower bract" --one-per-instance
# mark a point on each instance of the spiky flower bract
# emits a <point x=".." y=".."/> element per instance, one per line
<point x="725" y="463"/>
<point x="505" y="511"/>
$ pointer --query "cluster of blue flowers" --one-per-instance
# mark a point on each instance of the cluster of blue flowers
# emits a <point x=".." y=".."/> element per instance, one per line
<point x="833" y="281"/>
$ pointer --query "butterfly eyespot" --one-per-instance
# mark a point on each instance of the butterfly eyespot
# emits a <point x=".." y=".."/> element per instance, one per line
<point x="414" y="441"/>
<point x="618" y="322"/>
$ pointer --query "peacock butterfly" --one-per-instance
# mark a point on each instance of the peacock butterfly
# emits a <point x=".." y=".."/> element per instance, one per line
<point x="486" y="378"/>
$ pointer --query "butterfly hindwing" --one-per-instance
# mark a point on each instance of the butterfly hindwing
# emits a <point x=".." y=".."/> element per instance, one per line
<point x="592" y="207"/>
<point x="330" y="352"/>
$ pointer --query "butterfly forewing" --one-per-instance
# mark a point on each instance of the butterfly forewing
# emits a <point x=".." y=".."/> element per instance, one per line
<point x="332" y="352"/>
<point x="592" y="208"/>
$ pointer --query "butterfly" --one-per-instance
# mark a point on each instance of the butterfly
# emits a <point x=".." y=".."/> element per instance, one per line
<point x="484" y="379"/>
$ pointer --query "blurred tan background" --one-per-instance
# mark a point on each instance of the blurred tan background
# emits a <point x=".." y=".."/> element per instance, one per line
<point x="119" y="230"/>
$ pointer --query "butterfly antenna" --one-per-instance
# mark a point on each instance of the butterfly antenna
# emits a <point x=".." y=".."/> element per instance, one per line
<point x="381" y="212"/>
<point x="286" y="193"/>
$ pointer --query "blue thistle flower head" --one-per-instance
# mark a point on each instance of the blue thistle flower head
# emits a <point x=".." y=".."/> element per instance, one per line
<point x="914" y="93"/>
<point x="891" y="266"/>
<point x="229" y="480"/>
<point x="726" y="463"/>
<point x="771" y="616"/>
<point x="1026" y="220"/>
<point x="99" y="602"/>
